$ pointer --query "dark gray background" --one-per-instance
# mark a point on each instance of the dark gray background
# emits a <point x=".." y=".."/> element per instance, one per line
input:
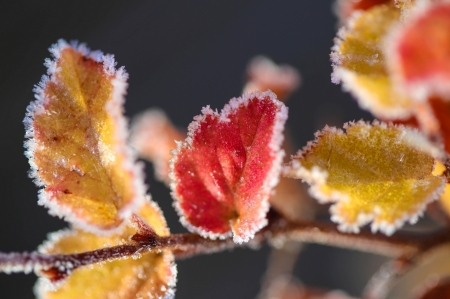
<point x="181" y="56"/>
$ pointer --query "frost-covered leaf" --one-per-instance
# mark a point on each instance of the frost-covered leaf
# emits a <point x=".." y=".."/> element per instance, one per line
<point x="154" y="136"/>
<point x="223" y="174"/>
<point x="359" y="62"/>
<point x="419" y="61"/>
<point x="420" y="58"/>
<point x="264" y="74"/>
<point x="77" y="140"/>
<point x="152" y="275"/>
<point x="372" y="173"/>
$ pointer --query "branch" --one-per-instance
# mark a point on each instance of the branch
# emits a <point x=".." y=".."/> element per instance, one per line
<point x="390" y="273"/>
<point x="58" y="266"/>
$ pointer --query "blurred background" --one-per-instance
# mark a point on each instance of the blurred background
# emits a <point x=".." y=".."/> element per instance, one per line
<point x="181" y="56"/>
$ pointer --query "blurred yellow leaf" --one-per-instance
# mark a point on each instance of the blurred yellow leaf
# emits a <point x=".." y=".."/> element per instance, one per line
<point x="77" y="141"/>
<point x="359" y="62"/>
<point x="373" y="173"/>
<point x="151" y="275"/>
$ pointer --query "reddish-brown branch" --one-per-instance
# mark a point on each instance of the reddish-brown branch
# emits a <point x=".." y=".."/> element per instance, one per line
<point x="57" y="267"/>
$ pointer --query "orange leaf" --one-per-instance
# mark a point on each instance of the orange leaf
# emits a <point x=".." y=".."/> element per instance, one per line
<point x="152" y="275"/>
<point x="372" y="173"/>
<point x="77" y="141"/>
<point x="154" y="136"/>
<point x="264" y="74"/>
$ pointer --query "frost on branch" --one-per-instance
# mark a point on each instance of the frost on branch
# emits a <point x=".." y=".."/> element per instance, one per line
<point x="224" y="173"/>
<point x="154" y="136"/>
<point x="152" y="275"/>
<point x="359" y="62"/>
<point x="77" y="141"/>
<point x="373" y="173"/>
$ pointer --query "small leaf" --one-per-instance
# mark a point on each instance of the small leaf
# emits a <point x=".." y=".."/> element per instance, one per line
<point x="152" y="275"/>
<point x="264" y="74"/>
<point x="77" y="141"/>
<point x="420" y="59"/>
<point x="359" y="62"/>
<point x="154" y="136"/>
<point x="371" y="172"/>
<point x="223" y="174"/>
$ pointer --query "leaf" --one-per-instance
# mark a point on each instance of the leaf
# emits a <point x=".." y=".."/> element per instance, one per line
<point x="372" y="173"/>
<point x="154" y="136"/>
<point x="264" y="74"/>
<point x="223" y="174"/>
<point x="397" y="71"/>
<point x="419" y="64"/>
<point x="77" y="141"/>
<point x="152" y="275"/>
<point x="420" y="59"/>
<point x="359" y="62"/>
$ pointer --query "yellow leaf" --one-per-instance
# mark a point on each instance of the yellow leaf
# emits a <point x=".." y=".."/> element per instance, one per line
<point x="151" y="275"/>
<point x="77" y="141"/>
<point x="372" y="172"/>
<point x="359" y="62"/>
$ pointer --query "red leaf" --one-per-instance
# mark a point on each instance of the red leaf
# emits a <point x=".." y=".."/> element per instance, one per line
<point x="420" y="57"/>
<point x="224" y="172"/>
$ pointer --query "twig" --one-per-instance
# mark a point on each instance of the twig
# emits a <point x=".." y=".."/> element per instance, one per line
<point x="58" y="266"/>
<point x="382" y="281"/>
